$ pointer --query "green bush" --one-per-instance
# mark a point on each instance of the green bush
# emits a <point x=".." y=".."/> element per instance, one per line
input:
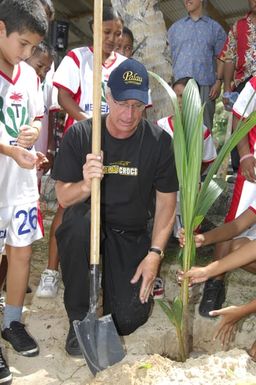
<point x="219" y="124"/>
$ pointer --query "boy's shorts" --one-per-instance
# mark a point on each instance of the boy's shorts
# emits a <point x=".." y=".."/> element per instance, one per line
<point x="20" y="225"/>
<point x="249" y="233"/>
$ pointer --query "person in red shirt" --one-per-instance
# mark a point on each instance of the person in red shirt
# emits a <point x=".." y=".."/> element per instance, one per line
<point x="239" y="57"/>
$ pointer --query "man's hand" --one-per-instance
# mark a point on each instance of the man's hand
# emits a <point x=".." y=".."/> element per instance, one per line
<point x="93" y="168"/>
<point x="230" y="316"/>
<point x="248" y="167"/>
<point x="215" y="90"/>
<point x="23" y="157"/>
<point x="147" y="269"/>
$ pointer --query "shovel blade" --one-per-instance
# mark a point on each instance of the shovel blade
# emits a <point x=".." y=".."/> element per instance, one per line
<point x="99" y="341"/>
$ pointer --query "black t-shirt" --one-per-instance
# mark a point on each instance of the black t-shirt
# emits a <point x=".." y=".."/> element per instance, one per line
<point x="134" y="169"/>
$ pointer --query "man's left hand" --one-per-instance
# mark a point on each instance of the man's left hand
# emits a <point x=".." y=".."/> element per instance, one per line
<point x="147" y="269"/>
<point x="215" y="90"/>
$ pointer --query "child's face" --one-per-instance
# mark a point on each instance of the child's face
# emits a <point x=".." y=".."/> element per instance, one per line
<point x="112" y="33"/>
<point x="178" y="89"/>
<point x="125" y="47"/>
<point x="41" y="63"/>
<point x="17" y="46"/>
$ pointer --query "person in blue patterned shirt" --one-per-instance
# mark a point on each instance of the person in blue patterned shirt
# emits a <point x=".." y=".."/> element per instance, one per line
<point x="195" y="42"/>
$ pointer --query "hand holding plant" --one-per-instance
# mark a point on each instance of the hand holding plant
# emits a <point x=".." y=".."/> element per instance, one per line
<point x="199" y="239"/>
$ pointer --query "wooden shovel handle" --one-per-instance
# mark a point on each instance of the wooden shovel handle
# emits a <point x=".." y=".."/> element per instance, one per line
<point x="96" y="130"/>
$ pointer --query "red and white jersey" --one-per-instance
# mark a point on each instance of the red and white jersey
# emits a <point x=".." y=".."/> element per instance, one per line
<point x="209" y="150"/>
<point x="250" y="233"/>
<point x="50" y="96"/>
<point x="75" y="74"/>
<point x="240" y="108"/>
<point x="244" y="191"/>
<point x="21" y="101"/>
<point x="253" y="206"/>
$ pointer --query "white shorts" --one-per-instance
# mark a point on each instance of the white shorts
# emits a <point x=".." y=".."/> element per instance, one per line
<point x="20" y="225"/>
<point x="249" y="233"/>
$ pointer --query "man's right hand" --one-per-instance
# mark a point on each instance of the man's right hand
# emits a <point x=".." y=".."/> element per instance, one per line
<point x="93" y="168"/>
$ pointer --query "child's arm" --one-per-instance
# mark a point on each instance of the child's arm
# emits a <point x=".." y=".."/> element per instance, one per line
<point x="48" y="165"/>
<point x="22" y="157"/>
<point x="70" y="106"/>
<point x="240" y="257"/>
<point x="231" y="315"/>
<point x="224" y="232"/>
<point x="229" y="230"/>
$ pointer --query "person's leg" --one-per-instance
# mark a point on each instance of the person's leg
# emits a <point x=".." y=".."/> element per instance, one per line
<point x="122" y="253"/>
<point x="214" y="289"/>
<point x="17" y="279"/>
<point x="53" y="260"/>
<point x="3" y="271"/>
<point x="49" y="281"/>
<point x="73" y="238"/>
<point x="17" y="274"/>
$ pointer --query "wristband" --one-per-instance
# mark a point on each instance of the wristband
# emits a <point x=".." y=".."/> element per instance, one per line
<point x="246" y="156"/>
<point x="157" y="251"/>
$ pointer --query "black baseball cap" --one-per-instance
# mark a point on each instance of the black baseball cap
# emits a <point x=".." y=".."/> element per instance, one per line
<point x="129" y="81"/>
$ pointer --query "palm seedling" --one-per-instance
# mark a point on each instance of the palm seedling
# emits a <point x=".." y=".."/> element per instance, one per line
<point x="194" y="201"/>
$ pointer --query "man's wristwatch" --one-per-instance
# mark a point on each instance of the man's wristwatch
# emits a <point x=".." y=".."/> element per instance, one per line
<point x="157" y="251"/>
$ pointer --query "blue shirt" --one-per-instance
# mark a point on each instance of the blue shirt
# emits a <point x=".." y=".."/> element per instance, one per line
<point x="194" y="47"/>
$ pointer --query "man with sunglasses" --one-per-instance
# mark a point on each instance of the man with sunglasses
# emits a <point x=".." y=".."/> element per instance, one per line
<point x="136" y="166"/>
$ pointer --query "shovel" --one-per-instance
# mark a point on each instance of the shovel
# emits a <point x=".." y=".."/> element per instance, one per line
<point x="98" y="338"/>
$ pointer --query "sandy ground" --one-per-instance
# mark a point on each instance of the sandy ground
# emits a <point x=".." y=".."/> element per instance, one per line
<point x="146" y="361"/>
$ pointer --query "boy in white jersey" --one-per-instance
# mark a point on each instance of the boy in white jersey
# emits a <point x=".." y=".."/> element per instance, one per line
<point x="23" y="24"/>
<point x="74" y="80"/>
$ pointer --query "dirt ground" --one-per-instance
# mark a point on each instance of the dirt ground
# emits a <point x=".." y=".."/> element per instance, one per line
<point x="146" y="362"/>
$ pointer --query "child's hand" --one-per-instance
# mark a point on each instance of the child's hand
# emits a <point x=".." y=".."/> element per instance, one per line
<point x="230" y="316"/>
<point x="49" y="165"/>
<point x="42" y="161"/>
<point x="195" y="275"/>
<point x="23" y="157"/>
<point x="27" y="136"/>
<point x="198" y="238"/>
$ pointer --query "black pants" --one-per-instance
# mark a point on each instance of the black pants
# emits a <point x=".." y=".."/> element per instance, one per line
<point x="121" y="253"/>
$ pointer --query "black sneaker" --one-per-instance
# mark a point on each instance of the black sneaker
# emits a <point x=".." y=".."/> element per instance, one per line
<point x="213" y="296"/>
<point x="72" y="346"/>
<point x="20" y="340"/>
<point x="5" y="374"/>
